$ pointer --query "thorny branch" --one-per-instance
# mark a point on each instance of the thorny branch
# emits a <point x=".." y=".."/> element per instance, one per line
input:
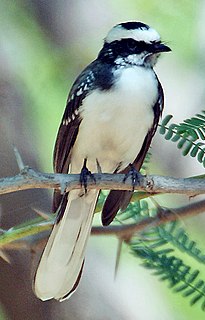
<point x="30" y="179"/>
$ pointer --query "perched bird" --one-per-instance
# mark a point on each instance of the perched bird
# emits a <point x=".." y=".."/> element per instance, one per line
<point x="111" y="115"/>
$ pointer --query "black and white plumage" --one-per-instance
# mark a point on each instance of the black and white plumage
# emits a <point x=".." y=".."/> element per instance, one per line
<point x="111" y="116"/>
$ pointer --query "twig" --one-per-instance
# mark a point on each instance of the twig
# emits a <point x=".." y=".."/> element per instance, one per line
<point x="127" y="231"/>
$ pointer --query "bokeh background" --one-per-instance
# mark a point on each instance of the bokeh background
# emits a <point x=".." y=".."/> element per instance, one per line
<point x="43" y="47"/>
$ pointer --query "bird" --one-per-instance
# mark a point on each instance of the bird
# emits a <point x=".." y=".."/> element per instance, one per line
<point x="111" y="116"/>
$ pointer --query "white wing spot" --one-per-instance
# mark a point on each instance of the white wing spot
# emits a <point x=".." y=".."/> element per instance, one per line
<point x="79" y="92"/>
<point x="66" y="122"/>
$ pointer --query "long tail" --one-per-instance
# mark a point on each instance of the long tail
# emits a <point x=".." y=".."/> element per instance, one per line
<point x="62" y="261"/>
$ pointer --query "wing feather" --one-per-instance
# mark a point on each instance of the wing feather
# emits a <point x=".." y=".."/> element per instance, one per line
<point x="69" y="127"/>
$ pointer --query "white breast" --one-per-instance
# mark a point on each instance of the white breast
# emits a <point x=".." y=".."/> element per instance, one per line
<point x="115" y="122"/>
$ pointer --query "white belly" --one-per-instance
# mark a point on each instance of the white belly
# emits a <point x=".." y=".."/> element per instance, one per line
<point x="115" y="122"/>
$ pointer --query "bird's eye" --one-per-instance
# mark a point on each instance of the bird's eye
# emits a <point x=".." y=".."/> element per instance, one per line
<point x="131" y="44"/>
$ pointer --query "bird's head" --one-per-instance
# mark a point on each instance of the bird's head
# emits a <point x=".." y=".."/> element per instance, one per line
<point x="133" y="43"/>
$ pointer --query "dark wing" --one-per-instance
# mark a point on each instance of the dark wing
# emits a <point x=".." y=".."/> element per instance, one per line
<point x="65" y="140"/>
<point x="119" y="199"/>
<point x="68" y="129"/>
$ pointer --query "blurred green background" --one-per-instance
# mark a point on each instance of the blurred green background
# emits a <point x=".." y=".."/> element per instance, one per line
<point x="43" y="47"/>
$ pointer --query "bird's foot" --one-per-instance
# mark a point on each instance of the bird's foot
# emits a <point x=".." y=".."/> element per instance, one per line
<point x="135" y="176"/>
<point x="84" y="174"/>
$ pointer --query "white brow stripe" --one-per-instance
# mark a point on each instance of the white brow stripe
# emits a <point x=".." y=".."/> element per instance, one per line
<point x="118" y="33"/>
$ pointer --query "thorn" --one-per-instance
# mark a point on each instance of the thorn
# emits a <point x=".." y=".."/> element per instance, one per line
<point x="63" y="187"/>
<point x="18" y="159"/>
<point x="99" y="169"/>
<point x="45" y="216"/>
<point x="5" y="257"/>
<point x="157" y="205"/>
<point x="119" y="250"/>
<point x="161" y="211"/>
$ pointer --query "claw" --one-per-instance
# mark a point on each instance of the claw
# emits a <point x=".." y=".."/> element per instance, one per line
<point x="135" y="176"/>
<point x="84" y="174"/>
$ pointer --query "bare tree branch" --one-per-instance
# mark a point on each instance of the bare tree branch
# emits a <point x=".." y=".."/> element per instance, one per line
<point x="126" y="231"/>
<point x="30" y="179"/>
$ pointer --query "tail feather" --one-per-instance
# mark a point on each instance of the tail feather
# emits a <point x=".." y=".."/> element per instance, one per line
<point x="62" y="261"/>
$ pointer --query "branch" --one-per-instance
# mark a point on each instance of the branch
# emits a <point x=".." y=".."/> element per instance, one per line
<point x="125" y="232"/>
<point x="163" y="216"/>
<point x="31" y="179"/>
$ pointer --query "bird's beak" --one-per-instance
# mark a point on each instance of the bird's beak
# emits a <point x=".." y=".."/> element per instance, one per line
<point x="154" y="53"/>
<point x="160" y="47"/>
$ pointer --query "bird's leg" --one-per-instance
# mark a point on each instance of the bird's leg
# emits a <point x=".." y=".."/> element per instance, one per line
<point x="84" y="174"/>
<point x="135" y="176"/>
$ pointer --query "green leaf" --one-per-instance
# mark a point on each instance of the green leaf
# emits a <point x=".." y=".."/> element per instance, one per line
<point x="169" y="134"/>
<point x="181" y="143"/>
<point x="187" y="148"/>
<point x="200" y="155"/>
<point x="196" y="299"/>
<point x="193" y="276"/>
<point x="181" y="287"/>
<point x="201" y="116"/>
<point x="189" y="292"/>
<point x="187" y="134"/>
<point x="176" y="137"/>
<point x="194" y="151"/>
<point x="201" y="134"/>
<point x="166" y="119"/>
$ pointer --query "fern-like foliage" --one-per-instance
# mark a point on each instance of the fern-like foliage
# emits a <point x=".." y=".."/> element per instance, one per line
<point x="167" y="267"/>
<point x="136" y="211"/>
<point x="158" y="248"/>
<point x="146" y="162"/>
<point x="172" y="233"/>
<point x="189" y="135"/>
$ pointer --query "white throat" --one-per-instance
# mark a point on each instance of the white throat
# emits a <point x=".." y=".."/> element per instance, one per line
<point x="142" y="59"/>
